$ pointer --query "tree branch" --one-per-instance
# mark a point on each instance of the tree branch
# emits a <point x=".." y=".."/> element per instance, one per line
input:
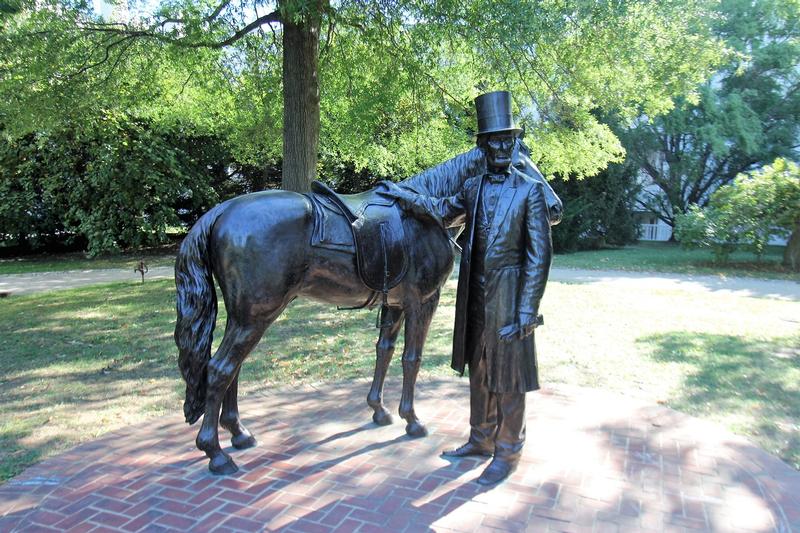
<point x="270" y="18"/>
<point x="120" y="56"/>
<point x="106" y="57"/>
<point x="152" y="32"/>
<point x="210" y="18"/>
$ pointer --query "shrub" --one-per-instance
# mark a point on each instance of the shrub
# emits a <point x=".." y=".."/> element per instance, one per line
<point x="746" y="213"/>
<point x="707" y="228"/>
<point x="113" y="182"/>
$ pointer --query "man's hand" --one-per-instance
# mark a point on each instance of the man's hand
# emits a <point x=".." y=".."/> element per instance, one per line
<point x="394" y="191"/>
<point x="523" y="328"/>
<point x="509" y="333"/>
<point x="410" y="202"/>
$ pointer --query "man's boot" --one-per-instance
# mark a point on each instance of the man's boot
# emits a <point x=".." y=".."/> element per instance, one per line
<point x="467" y="450"/>
<point x="499" y="469"/>
<point x="510" y="438"/>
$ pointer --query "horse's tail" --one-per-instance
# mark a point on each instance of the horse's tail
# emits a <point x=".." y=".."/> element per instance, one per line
<point x="197" y="312"/>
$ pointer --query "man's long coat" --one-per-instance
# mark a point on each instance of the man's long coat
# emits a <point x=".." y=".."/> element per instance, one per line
<point x="517" y="264"/>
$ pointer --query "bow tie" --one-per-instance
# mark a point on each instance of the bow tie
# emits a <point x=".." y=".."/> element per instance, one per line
<point x="497" y="178"/>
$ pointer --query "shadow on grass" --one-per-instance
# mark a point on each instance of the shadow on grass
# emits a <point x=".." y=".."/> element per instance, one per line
<point x="753" y="383"/>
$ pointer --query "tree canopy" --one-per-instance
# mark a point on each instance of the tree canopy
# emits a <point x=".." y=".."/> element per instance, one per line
<point x="374" y="88"/>
<point x="396" y="77"/>
<point x="742" y="118"/>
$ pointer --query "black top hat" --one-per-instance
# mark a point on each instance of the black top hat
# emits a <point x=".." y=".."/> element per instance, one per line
<point x="494" y="113"/>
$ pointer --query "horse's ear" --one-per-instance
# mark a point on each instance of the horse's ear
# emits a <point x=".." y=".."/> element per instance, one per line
<point x="523" y="148"/>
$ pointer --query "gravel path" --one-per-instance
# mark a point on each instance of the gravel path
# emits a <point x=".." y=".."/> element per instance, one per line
<point x="764" y="288"/>
<point x="48" y="281"/>
<point x="778" y="289"/>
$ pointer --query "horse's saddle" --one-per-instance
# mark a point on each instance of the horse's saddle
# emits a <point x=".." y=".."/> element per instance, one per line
<point x="377" y="233"/>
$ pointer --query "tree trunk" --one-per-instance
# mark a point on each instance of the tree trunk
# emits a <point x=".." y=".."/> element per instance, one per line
<point x="791" y="255"/>
<point x="300" y="103"/>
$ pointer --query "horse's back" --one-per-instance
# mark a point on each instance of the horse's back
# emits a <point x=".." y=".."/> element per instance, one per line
<point x="260" y="247"/>
<point x="250" y="214"/>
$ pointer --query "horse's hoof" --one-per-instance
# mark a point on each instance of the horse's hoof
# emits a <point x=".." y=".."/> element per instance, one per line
<point x="243" y="441"/>
<point x="222" y="465"/>
<point x="382" y="418"/>
<point x="416" y="430"/>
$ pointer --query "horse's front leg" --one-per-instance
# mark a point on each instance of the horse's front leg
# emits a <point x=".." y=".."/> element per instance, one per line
<point x="229" y="419"/>
<point x="384" y="351"/>
<point x="417" y="323"/>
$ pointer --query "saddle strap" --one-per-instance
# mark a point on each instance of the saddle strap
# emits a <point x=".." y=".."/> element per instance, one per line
<point x="379" y="320"/>
<point x="370" y="303"/>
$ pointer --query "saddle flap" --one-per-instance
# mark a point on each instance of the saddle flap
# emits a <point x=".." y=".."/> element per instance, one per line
<point x="331" y="229"/>
<point x="377" y="227"/>
<point x="326" y="192"/>
<point x="381" y="246"/>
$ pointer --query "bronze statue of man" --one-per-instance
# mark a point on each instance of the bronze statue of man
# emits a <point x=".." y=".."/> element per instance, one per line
<point x="502" y="277"/>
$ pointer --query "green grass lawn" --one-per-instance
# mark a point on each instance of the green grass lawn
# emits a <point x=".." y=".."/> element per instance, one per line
<point x="77" y="363"/>
<point x="158" y="256"/>
<point x="671" y="257"/>
<point x="648" y="257"/>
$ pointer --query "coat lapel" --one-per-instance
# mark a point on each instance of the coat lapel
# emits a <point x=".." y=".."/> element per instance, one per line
<point x="503" y="204"/>
<point x="478" y="192"/>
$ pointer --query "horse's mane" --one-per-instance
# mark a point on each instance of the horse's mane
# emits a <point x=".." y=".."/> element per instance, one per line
<point x="447" y="178"/>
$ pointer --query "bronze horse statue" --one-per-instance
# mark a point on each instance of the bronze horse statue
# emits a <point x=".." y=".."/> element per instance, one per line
<point x="267" y="248"/>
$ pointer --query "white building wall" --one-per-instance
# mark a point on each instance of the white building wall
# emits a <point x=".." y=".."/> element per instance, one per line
<point x="655" y="232"/>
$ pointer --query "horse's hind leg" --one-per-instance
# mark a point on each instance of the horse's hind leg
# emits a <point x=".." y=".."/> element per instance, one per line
<point x="237" y="343"/>
<point x="229" y="419"/>
<point x="418" y="320"/>
<point x="384" y="351"/>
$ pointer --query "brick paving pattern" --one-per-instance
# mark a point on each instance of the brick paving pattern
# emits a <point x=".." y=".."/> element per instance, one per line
<point x="594" y="461"/>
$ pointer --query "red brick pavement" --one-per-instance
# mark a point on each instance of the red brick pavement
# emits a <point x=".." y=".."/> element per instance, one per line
<point x="594" y="461"/>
